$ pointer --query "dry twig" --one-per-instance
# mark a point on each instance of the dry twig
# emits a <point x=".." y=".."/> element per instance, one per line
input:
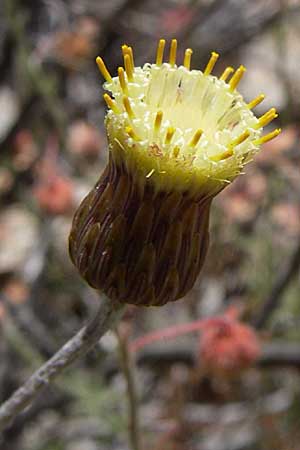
<point x="76" y="347"/>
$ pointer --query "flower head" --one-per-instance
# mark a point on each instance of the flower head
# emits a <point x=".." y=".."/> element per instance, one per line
<point x="185" y="129"/>
<point x="176" y="138"/>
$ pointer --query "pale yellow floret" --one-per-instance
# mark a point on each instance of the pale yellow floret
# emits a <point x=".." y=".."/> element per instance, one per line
<point x="187" y="58"/>
<point x="127" y="107"/>
<point x="194" y="141"/>
<point x="128" y="67"/>
<point x="211" y="63"/>
<point x="103" y="69"/>
<point x="157" y="123"/>
<point x="123" y="84"/>
<point x="236" y="77"/>
<point x="111" y="104"/>
<point x="268" y="137"/>
<point x="173" y="52"/>
<point x="160" y="52"/>
<point x="228" y="71"/>
<point x="256" y="101"/>
<point x="169" y="135"/>
<point x="266" y="118"/>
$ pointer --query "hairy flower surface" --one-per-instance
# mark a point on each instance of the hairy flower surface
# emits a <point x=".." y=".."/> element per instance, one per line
<point x="176" y="138"/>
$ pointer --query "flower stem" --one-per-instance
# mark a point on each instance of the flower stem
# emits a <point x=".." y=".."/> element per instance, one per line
<point x="76" y="347"/>
<point x="128" y="371"/>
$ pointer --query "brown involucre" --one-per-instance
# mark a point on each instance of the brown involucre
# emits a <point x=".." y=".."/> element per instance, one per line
<point x="137" y="245"/>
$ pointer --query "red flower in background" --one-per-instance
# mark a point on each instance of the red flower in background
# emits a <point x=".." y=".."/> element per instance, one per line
<point x="53" y="191"/>
<point x="25" y="150"/>
<point x="55" y="195"/>
<point x="227" y="346"/>
<point x="174" y="19"/>
<point x="84" y="140"/>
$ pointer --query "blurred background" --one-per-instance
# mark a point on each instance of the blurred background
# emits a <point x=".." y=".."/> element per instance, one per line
<point x="53" y="149"/>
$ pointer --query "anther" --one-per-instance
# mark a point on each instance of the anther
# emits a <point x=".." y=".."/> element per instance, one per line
<point x="160" y="52"/>
<point x="266" y="118"/>
<point x="195" y="139"/>
<point x="123" y="84"/>
<point x="240" y="139"/>
<point x="222" y="156"/>
<point x="128" y="51"/>
<point x="211" y="63"/>
<point x="132" y="133"/>
<point x="236" y="77"/>
<point x="128" y="67"/>
<point x="127" y="107"/>
<point x="111" y="104"/>
<point x="226" y="73"/>
<point x="169" y="135"/>
<point x="267" y="137"/>
<point x="173" y="51"/>
<point x="158" y="120"/>
<point x="103" y="69"/>
<point x="256" y="101"/>
<point x="187" y="58"/>
<point x="176" y="151"/>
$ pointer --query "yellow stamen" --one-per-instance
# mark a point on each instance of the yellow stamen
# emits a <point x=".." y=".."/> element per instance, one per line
<point x="123" y="84"/>
<point x="195" y="139"/>
<point x="222" y="156"/>
<point x="236" y="77"/>
<point x="187" y="58"/>
<point x="128" y="67"/>
<point x="173" y="51"/>
<point x="267" y="137"/>
<point x="266" y="118"/>
<point x="111" y="104"/>
<point x="127" y="107"/>
<point x="160" y="52"/>
<point x="211" y="63"/>
<point x="132" y="133"/>
<point x="226" y="73"/>
<point x="158" y="120"/>
<point x="240" y="139"/>
<point x="130" y="53"/>
<point x="176" y="151"/>
<point x="126" y="51"/>
<point x="256" y="101"/>
<point x="169" y="135"/>
<point x="103" y="69"/>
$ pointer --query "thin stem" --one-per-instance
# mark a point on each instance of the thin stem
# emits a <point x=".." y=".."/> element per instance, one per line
<point x="128" y="371"/>
<point x="281" y="283"/>
<point x="167" y="333"/>
<point x="76" y="347"/>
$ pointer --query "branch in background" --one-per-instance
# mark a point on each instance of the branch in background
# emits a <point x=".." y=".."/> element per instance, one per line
<point x="274" y="355"/>
<point x="128" y="372"/>
<point x="76" y="347"/>
<point x="281" y="283"/>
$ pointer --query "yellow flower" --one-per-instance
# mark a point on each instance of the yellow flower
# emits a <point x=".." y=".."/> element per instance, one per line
<point x="176" y="138"/>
